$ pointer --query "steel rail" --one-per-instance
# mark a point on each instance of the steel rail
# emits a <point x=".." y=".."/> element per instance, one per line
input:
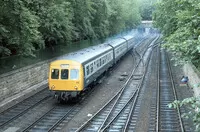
<point x="53" y="127"/>
<point x="121" y="91"/>
<point x="130" y="99"/>
<point x="133" y="104"/>
<point x="59" y="120"/>
<point x="115" y="96"/>
<point x="167" y="119"/>
<point x="22" y="101"/>
<point x="174" y="92"/>
<point x="158" y="92"/>
<point x="33" y="124"/>
<point x="20" y="113"/>
<point x="139" y="88"/>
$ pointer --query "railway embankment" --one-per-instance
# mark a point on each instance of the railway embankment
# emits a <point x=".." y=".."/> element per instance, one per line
<point x="23" y="82"/>
<point x="194" y="77"/>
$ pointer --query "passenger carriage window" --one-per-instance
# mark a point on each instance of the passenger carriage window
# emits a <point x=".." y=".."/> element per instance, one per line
<point x="97" y="63"/>
<point x="100" y="62"/>
<point x="64" y="73"/>
<point x="74" y="74"/>
<point x="87" y="70"/>
<point x="91" y="67"/>
<point x="54" y="74"/>
<point x="94" y="66"/>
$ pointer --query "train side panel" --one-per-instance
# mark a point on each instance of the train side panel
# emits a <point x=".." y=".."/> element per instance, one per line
<point x="72" y="73"/>
<point x="95" y="67"/>
<point x="120" y="50"/>
<point x="130" y="44"/>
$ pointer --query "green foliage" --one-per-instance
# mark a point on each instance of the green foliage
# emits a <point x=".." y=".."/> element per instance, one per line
<point x="146" y="9"/>
<point x="18" y="28"/>
<point x="100" y="22"/>
<point x="29" y="25"/>
<point x="83" y="15"/>
<point x="179" y="22"/>
<point x="193" y="104"/>
<point x="123" y="15"/>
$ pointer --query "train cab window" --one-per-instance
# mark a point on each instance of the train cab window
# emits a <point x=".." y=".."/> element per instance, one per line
<point x="74" y="74"/>
<point x="54" y="74"/>
<point x="64" y="73"/>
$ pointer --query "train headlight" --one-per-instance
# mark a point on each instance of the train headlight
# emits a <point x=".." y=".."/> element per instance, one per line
<point x="76" y="87"/>
<point x="52" y="87"/>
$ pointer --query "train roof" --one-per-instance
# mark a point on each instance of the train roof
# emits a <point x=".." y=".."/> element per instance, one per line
<point x="127" y="37"/>
<point x="117" y="42"/>
<point x="85" y="54"/>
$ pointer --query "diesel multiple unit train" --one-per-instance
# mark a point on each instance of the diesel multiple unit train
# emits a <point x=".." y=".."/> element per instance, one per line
<point x="71" y="74"/>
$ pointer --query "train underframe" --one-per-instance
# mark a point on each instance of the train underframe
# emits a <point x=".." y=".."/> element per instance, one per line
<point x="66" y="96"/>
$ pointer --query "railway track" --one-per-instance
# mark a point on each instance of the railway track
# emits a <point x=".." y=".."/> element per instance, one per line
<point x="55" y="118"/>
<point x="163" y="118"/>
<point x="48" y="121"/>
<point x="132" y="120"/>
<point x="23" y="107"/>
<point x="169" y="119"/>
<point x="113" y="116"/>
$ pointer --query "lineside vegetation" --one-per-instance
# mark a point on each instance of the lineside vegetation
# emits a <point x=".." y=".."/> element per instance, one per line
<point x="29" y="25"/>
<point x="179" y="22"/>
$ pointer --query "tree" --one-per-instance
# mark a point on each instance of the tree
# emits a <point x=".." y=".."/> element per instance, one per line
<point x="123" y="15"/>
<point x="29" y="25"/>
<point x="55" y="19"/>
<point x="83" y="12"/>
<point x="18" y="29"/>
<point x="146" y="9"/>
<point x="179" y="22"/>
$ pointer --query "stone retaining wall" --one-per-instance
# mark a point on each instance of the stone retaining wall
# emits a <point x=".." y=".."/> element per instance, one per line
<point x="194" y="77"/>
<point x="16" y="81"/>
<point x="19" y="80"/>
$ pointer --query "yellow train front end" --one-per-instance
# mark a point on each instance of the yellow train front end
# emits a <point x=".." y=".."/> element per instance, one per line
<point x="66" y="79"/>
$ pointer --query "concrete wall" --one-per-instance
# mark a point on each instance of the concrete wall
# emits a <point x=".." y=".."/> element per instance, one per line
<point x="194" y="77"/>
<point x="19" y="80"/>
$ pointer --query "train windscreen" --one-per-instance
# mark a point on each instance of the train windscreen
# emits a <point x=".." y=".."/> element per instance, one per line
<point x="54" y="74"/>
<point x="64" y="73"/>
<point x="74" y="74"/>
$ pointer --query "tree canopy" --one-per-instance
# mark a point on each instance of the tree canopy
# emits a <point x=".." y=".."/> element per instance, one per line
<point x="146" y="9"/>
<point x="29" y="25"/>
<point x="179" y="22"/>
